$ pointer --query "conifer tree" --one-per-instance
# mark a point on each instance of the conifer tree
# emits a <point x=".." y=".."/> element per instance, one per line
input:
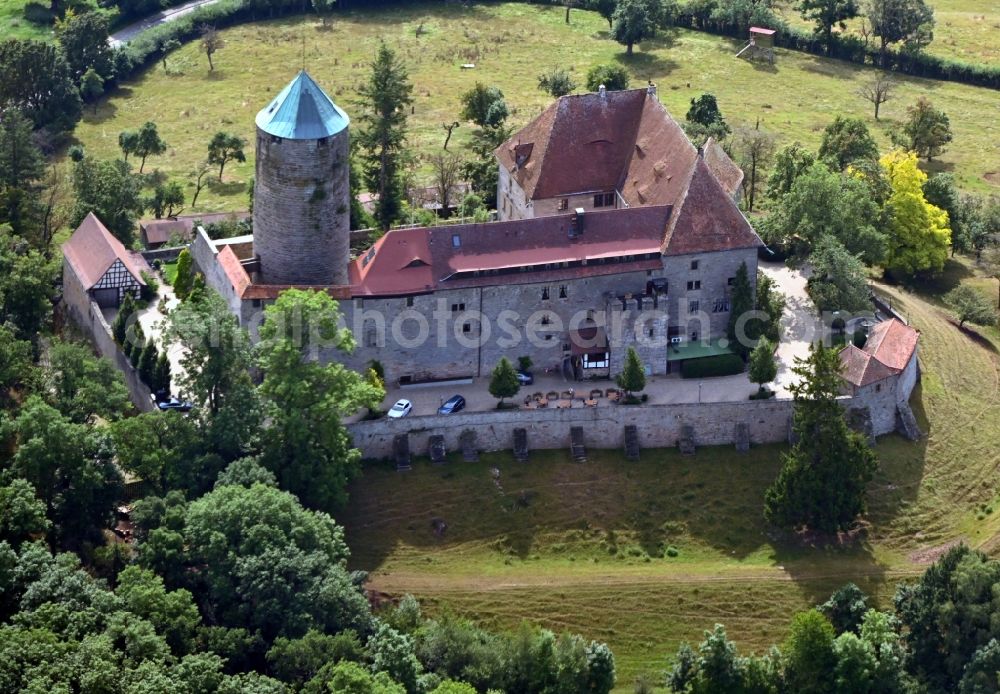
<point x="822" y="483"/>
<point x="119" y="327"/>
<point x="185" y="275"/>
<point x="632" y="379"/>
<point x="385" y="101"/>
<point x="147" y="362"/>
<point x="161" y="374"/>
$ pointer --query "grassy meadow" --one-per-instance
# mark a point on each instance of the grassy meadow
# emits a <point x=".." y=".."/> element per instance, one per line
<point x="965" y="30"/>
<point x="510" y="44"/>
<point x="588" y="547"/>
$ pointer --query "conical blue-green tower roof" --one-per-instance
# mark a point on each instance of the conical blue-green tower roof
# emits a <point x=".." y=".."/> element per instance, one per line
<point x="302" y="111"/>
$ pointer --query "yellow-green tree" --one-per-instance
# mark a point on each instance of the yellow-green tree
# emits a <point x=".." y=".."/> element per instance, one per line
<point x="919" y="232"/>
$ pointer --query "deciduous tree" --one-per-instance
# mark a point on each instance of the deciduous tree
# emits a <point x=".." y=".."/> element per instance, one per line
<point x="845" y="141"/>
<point x="37" y="81"/>
<point x="839" y="281"/>
<point x="821" y="202"/>
<point x="148" y="143"/>
<point x="826" y="14"/>
<point x="919" y="236"/>
<point x="84" y="41"/>
<point x="970" y="306"/>
<point x="613" y="77"/>
<point x="82" y="385"/>
<point x="225" y="147"/>
<point x="878" y="91"/>
<point x="762" y="366"/>
<point x="893" y="21"/>
<point x="385" y="99"/>
<point x="306" y="444"/>
<point x="91" y="86"/>
<point x="503" y="381"/>
<point x="754" y="149"/>
<point x="66" y="465"/>
<point x="556" y="82"/>
<point x="633" y="21"/>
<point x="109" y="190"/>
<point x="927" y="130"/>
<point x="211" y="41"/>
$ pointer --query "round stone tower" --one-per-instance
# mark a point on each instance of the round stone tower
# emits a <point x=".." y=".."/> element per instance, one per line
<point x="301" y="194"/>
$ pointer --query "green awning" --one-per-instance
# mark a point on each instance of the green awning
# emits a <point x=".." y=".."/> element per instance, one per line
<point x="696" y="350"/>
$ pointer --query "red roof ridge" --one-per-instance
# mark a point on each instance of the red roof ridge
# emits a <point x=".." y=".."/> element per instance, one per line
<point x="92" y="250"/>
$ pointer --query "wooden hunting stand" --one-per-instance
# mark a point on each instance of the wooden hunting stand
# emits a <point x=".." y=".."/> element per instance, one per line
<point x="761" y="45"/>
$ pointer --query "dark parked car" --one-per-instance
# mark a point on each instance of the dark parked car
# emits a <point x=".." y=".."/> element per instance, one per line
<point x="175" y="405"/>
<point x="452" y="405"/>
<point x="525" y="378"/>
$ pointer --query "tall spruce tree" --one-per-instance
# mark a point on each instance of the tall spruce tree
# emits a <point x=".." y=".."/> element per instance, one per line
<point x="822" y="483"/>
<point x="385" y="99"/>
<point x="632" y="379"/>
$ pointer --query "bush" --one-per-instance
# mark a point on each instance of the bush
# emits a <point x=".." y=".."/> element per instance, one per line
<point x="706" y="367"/>
<point x="37" y="13"/>
<point x="148" y="293"/>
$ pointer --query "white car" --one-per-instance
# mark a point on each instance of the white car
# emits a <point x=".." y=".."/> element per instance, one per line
<point x="400" y="409"/>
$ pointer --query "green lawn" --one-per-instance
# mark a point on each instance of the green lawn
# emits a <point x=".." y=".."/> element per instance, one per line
<point x="13" y="25"/>
<point x="582" y="547"/>
<point x="965" y="30"/>
<point x="169" y="271"/>
<point x="510" y="45"/>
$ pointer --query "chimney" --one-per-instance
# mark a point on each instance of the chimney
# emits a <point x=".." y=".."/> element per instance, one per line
<point x="651" y="88"/>
<point x="576" y="224"/>
<point x="602" y="91"/>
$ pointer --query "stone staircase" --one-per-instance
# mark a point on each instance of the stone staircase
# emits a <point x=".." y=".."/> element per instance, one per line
<point x="686" y="442"/>
<point x="521" y="445"/>
<point x="742" y="437"/>
<point x="576" y="447"/>
<point x="435" y="449"/>
<point x="631" y="443"/>
<point x="470" y="449"/>
<point x="401" y="452"/>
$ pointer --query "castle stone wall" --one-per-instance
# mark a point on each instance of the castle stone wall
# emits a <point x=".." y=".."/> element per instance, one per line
<point x="659" y="426"/>
<point x="301" y="216"/>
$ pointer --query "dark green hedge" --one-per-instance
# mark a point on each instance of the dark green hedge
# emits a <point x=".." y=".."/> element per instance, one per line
<point x="721" y="365"/>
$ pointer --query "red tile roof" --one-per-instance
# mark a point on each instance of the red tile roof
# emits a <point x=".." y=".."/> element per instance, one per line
<point x="725" y="170"/>
<point x="233" y="268"/>
<point x="889" y="348"/>
<point x="408" y="261"/>
<point x="623" y="140"/>
<point x="708" y="220"/>
<point x="92" y="250"/>
<point x="892" y="342"/>
<point x="160" y="230"/>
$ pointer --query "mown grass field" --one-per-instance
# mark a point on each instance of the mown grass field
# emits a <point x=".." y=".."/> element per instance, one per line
<point x="966" y="30"/>
<point x="583" y="547"/>
<point x="511" y="44"/>
<point x="13" y="25"/>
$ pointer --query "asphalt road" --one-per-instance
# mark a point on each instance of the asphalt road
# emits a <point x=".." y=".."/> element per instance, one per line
<point x="168" y="15"/>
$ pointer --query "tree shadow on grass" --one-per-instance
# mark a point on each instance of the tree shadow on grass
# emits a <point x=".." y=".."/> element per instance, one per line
<point x="933" y="287"/>
<point x="227" y="187"/>
<point x="647" y="65"/>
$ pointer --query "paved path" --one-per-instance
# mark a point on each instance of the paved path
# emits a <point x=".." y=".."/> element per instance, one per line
<point x="125" y="35"/>
<point x="799" y="324"/>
